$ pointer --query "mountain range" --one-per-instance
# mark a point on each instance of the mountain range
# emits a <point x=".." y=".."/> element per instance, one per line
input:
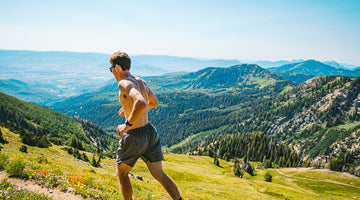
<point x="317" y="116"/>
<point x="302" y="71"/>
<point x="59" y="75"/>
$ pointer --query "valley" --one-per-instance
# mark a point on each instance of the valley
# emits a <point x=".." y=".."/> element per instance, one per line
<point x="294" y="122"/>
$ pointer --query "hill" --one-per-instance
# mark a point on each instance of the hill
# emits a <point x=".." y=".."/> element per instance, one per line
<point x="27" y="92"/>
<point x="300" y="72"/>
<point x="181" y="95"/>
<point x="39" y="126"/>
<point x="196" y="176"/>
<point x="318" y="118"/>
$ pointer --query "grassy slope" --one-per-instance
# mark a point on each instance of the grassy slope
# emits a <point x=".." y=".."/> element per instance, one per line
<point x="198" y="178"/>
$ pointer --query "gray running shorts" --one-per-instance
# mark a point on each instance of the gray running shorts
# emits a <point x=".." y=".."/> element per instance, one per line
<point x="143" y="142"/>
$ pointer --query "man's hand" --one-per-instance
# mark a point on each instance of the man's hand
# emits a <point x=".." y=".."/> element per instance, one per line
<point x="121" y="129"/>
<point x="121" y="112"/>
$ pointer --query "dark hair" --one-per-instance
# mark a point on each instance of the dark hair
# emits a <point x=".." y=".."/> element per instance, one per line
<point x="122" y="59"/>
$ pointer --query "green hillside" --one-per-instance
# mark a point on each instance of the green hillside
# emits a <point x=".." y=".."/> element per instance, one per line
<point x="34" y="123"/>
<point x="195" y="100"/>
<point x="196" y="176"/>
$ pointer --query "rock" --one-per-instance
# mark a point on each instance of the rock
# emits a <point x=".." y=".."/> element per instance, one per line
<point x="69" y="189"/>
<point x="139" y="178"/>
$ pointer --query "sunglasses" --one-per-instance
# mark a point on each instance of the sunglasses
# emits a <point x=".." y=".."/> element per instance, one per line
<point x="112" y="68"/>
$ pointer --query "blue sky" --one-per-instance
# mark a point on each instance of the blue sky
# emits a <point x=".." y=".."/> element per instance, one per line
<point x="245" y="30"/>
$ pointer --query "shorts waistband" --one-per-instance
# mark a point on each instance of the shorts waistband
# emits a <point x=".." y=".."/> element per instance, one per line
<point x="135" y="130"/>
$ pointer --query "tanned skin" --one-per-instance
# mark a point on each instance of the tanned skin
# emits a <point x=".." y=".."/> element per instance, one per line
<point x="136" y="99"/>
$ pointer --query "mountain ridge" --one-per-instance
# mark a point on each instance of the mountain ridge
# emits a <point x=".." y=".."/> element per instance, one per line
<point x="300" y="72"/>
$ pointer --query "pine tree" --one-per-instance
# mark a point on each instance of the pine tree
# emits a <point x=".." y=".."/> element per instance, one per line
<point x="237" y="168"/>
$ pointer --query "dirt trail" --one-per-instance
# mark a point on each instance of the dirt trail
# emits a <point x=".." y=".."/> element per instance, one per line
<point x="31" y="186"/>
<point x="309" y="179"/>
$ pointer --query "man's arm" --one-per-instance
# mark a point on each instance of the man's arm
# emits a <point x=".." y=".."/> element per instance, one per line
<point x="152" y="100"/>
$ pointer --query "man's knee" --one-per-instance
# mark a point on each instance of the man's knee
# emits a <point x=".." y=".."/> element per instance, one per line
<point x="123" y="170"/>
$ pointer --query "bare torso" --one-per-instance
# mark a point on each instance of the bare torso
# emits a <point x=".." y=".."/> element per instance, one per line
<point x="128" y="104"/>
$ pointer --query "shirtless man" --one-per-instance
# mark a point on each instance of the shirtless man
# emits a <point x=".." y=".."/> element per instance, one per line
<point x="139" y="137"/>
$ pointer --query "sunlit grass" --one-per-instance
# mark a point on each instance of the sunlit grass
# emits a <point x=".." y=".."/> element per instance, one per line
<point x="196" y="176"/>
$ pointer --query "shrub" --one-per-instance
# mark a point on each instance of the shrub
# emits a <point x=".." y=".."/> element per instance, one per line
<point x="42" y="160"/>
<point x="4" y="161"/>
<point x="248" y="168"/>
<point x="237" y="169"/>
<point x="268" y="177"/>
<point x="2" y="139"/>
<point x="336" y="164"/>
<point x="267" y="163"/>
<point x="23" y="148"/>
<point x="16" y="168"/>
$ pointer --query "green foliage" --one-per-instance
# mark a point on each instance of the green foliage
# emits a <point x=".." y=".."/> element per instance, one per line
<point x="37" y="124"/>
<point x="4" y="161"/>
<point x="268" y="177"/>
<point x="237" y="168"/>
<point x="76" y="153"/>
<point x="2" y="139"/>
<point x="267" y="163"/>
<point x="94" y="162"/>
<point x="336" y="164"/>
<point x="23" y="148"/>
<point x="248" y="168"/>
<point x="216" y="161"/>
<point x="15" y="168"/>
<point x="35" y="140"/>
<point x="42" y="159"/>
<point x="77" y="144"/>
<point x="253" y="147"/>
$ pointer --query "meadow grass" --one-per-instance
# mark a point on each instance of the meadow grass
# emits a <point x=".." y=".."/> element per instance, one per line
<point x="196" y="176"/>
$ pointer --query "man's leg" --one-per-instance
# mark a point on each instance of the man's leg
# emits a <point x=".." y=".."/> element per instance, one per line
<point x="125" y="184"/>
<point x="157" y="172"/>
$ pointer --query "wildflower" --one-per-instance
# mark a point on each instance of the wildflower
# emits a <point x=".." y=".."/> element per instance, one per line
<point x="6" y="178"/>
<point x="97" y="187"/>
<point x="9" y="188"/>
<point x="45" y="172"/>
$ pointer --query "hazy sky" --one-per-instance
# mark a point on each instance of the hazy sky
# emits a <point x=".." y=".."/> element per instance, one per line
<point x="255" y="30"/>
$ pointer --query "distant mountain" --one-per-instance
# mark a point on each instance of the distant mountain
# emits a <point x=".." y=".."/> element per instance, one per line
<point x="268" y="64"/>
<point x="27" y="92"/>
<point x="65" y="74"/>
<point x="300" y="72"/>
<point x="334" y="64"/>
<point x="31" y="119"/>
<point x="349" y="66"/>
<point x="176" y="64"/>
<point x="61" y="74"/>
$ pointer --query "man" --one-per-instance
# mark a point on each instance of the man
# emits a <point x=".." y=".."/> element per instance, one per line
<point x="139" y="137"/>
